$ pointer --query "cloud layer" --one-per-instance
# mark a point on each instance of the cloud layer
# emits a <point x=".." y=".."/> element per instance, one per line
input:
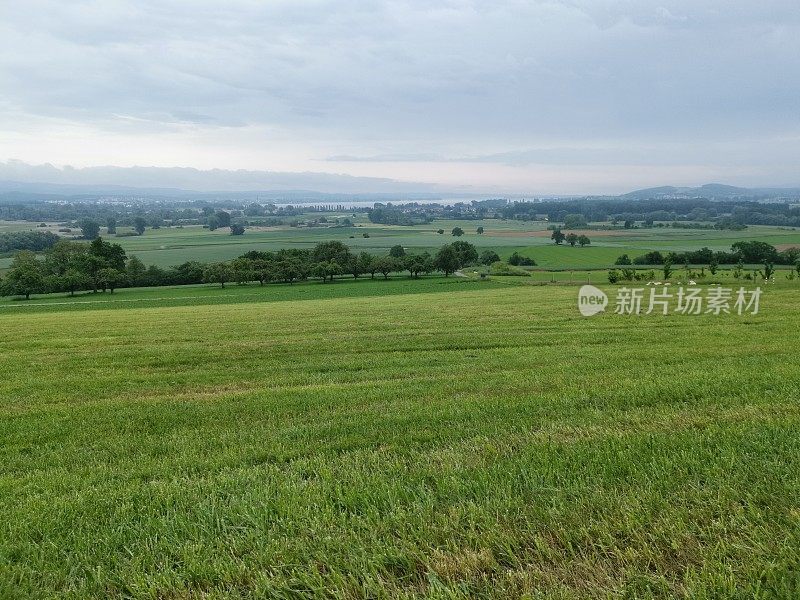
<point x="539" y="93"/>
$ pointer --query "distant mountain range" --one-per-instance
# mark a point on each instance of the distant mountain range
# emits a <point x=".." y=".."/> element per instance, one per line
<point x="22" y="182"/>
<point x="175" y="182"/>
<point x="16" y="191"/>
<point x="713" y="191"/>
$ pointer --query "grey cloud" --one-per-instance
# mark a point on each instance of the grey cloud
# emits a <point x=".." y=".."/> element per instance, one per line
<point x="381" y="158"/>
<point x="514" y="68"/>
<point x="621" y="153"/>
<point x="460" y="78"/>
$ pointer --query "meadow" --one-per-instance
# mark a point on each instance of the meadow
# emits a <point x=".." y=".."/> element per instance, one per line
<point x="170" y="246"/>
<point x="166" y="247"/>
<point x="357" y="440"/>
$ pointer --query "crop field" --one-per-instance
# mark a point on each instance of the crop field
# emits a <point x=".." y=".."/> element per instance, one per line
<point x="166" y="247"/>
<point x="171" y="246"/>
<point x="385" y="440"/>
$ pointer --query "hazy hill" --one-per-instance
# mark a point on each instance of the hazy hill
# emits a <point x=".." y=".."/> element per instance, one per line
<point x="713" y="191"/>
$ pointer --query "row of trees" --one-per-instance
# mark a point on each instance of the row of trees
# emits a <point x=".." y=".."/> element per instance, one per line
<point x="331" y="259"/>
<point x="67" y="267"/>
<point x="90" y="228"/>
<point x="559" y="237"/>
<point x="766" y="272"/>
<point x="71" y="266"/>
<point x="400" y="215"/>
<point x="748" y="252"/>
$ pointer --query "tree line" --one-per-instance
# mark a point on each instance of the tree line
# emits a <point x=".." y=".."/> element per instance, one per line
<point x="725" y="214"/>
<point x="17" y="206"/>
<point x="747" y="252"/>
<point x="71" y="266"/>
<point x="27" y="240"/>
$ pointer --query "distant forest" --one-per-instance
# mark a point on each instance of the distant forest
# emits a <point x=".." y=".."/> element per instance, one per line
<point x="740" y="212"/>
<point x="124" y="213"/>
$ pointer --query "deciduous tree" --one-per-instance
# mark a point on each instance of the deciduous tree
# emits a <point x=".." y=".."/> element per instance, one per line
<point x="446" y="260"/>
<point x="218" y="273"/>
<point x="139" y="225"/>
<point x="466" y="252"/>
<point x="110" y="279"/>
<point x="26" y="276"/>
<point x="90" y="229"/>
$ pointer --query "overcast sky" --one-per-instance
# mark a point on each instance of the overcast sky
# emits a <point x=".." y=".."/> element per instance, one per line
<point x="559" y="96"/>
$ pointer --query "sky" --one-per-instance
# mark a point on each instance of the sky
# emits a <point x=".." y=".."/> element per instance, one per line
<point x="510" y="96"/>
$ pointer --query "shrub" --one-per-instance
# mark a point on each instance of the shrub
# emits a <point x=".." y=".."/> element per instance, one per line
<point x="517" y="259"/>
<point x="575" y="221"/>
<point x="667" y="269"/>
<point x="504" y="269"/>
<point x="650" y="258"/>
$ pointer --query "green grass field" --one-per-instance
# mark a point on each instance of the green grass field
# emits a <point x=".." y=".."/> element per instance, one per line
<point x="210" y="294"/>
<point x="171" y="246"/>
<point x="166" y="247"/>
<point x="390" y="441"/>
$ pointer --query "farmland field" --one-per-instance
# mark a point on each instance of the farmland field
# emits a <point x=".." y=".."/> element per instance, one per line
<point x="383" y="439"/>
<point x="171" y="246"/>
<point x="166" y="247"/>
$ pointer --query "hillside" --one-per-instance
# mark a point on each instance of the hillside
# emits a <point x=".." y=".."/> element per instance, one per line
<point x="487" y="443"/>
<point x="713" y="191"/>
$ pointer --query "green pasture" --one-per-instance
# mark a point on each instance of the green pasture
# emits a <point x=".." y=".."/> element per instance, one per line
<point x="170" y="246"/>
<point x="213" y="294"/>
<point x="489" y="443"/>
<point x="173" y="245"/>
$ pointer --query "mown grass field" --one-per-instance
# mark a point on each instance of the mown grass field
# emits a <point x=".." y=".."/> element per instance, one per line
<point x="485" y="442"/>
<point x="211" y="294"/>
